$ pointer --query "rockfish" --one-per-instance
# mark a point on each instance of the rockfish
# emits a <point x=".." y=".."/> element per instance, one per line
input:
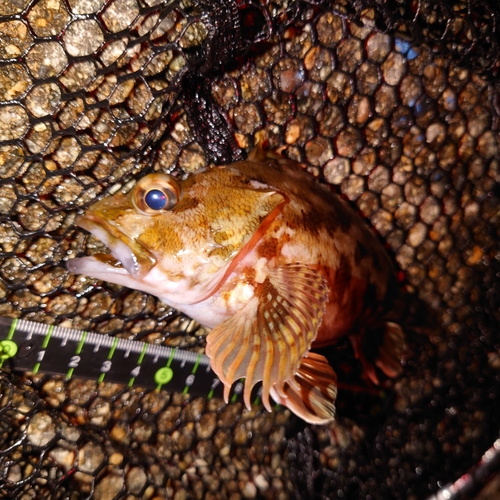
<point x="271" y="260"/>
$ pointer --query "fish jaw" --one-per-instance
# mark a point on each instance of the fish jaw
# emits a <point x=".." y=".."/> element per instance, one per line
<point x="134" y="258"/>
<point x="126" y="265"/>
<point x="103" y="270"/>
<point x="154" y="282"/>
<point x="131" y="265"/>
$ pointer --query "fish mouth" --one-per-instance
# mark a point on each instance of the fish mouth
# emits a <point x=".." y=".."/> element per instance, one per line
<point x="127" y="255"/>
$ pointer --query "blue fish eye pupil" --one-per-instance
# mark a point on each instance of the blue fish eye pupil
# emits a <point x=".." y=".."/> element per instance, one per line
<point x="156" y="199"/>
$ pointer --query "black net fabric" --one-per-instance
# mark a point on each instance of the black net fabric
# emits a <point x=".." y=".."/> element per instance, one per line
<point x="395" y="103"/>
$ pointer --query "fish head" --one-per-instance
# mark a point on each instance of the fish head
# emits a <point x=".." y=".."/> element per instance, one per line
<point x="178" y="239"/>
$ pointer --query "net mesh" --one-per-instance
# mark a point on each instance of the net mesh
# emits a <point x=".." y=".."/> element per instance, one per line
<point x="393" y="102"/>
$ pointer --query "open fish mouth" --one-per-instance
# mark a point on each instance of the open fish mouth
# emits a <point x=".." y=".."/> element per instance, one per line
<point x="127" y="256"/>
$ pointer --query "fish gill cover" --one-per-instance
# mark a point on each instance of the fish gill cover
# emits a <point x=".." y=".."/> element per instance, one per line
<point x="394" y="103"/>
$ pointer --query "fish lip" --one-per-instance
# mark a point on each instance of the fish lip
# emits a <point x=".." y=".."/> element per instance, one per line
<point x="134" y="258"/>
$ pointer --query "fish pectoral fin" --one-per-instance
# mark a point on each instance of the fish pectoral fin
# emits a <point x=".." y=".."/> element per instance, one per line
<point x="314" y="391"/>
<point x="267" y="339"/>
<point x="389" y="352"/>
<point x="392" y="349"/>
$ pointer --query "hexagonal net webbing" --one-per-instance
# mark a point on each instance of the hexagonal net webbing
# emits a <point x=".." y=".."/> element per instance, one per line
<point x="395" y="104"/>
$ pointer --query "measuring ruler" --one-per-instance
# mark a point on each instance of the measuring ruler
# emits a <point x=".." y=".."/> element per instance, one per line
<point x="39" y="348"/>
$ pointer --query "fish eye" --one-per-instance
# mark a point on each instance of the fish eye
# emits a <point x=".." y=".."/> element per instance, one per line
<point x="156" y="199"/>
<point x="156" y="193"/>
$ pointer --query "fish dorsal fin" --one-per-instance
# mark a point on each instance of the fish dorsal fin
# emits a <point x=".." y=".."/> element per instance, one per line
<point x="312" y="394"/>
<point x="267" y="339"/>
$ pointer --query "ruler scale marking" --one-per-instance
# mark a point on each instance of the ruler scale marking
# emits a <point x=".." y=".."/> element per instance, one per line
<point x="136" y="371"/>
<point x="76" y="358"/>
<point x="30" y="346"/>
<point x="41" y="353"/>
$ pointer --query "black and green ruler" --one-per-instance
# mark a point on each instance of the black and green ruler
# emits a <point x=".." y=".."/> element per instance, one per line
<point x="40" y="348"/>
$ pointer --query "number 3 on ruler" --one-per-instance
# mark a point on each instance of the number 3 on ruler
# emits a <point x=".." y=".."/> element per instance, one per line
<point x="106" y="366"/>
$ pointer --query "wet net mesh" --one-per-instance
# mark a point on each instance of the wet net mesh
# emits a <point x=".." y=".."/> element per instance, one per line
<point x="393" y="102"/>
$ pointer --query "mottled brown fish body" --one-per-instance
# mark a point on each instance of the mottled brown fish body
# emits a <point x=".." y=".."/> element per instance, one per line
<point x="318" y="228"/>
<point x="271" y="260"/>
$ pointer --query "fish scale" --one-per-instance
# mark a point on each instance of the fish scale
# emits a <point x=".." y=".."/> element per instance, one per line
<point x="301" y="269"/>
<point x="447" y="403"/>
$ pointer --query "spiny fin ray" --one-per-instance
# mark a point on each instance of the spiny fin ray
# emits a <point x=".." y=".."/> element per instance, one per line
<point x="312" y="394"/>
<point x="268" y="338"/>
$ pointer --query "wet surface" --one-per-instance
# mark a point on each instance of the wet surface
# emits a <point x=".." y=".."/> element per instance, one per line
<point x="406" y="130"/>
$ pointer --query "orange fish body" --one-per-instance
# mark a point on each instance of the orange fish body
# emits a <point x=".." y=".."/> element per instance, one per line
<point x="267" y="257"/>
